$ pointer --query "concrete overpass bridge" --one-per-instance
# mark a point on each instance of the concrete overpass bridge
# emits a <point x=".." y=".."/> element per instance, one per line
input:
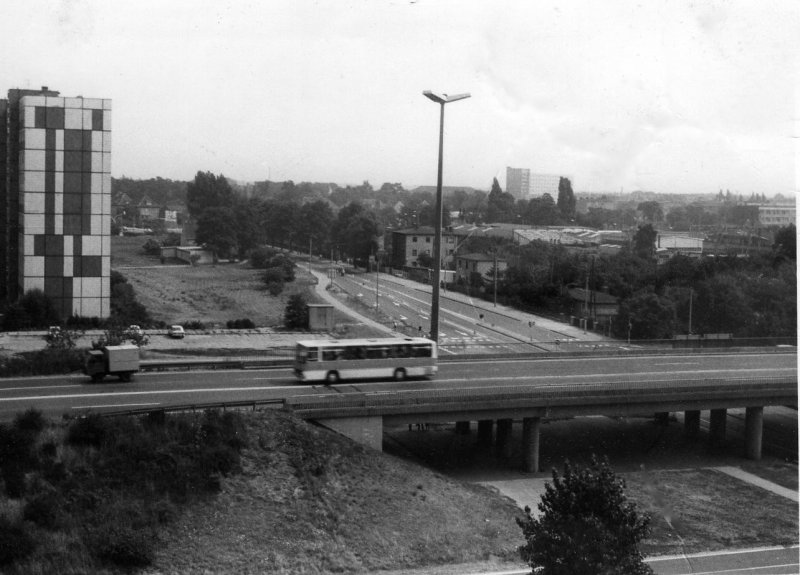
<point x="363" y="415"/>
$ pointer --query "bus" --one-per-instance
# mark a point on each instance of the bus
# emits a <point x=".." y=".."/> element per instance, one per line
<point x="335" y="360"/>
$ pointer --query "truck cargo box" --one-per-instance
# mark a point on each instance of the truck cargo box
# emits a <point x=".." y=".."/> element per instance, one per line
<point x="122" y="357"/>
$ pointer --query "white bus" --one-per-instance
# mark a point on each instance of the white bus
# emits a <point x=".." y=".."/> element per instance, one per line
<point x="334" y="360"/>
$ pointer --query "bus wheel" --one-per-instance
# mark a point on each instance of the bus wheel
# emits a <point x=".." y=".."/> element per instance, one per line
<point x="332" y="377"/>
<point x="399" y="374"/>
<point x="97" y="377"/>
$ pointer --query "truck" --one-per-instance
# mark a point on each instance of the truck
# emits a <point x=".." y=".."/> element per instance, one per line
<point x="120" y="360"/>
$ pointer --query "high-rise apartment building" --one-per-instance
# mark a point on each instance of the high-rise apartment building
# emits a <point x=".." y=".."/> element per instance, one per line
<point x="524" y="184"/>
<point x="55" y="200"/>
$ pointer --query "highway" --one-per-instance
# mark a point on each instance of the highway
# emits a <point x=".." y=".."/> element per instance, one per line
<point x="74" y="394"/>
<point x="463" y="320"/>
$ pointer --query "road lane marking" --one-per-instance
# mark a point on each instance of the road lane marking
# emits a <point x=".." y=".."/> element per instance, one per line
<point x="132" y="393"/>
<point x="38" y="387"/>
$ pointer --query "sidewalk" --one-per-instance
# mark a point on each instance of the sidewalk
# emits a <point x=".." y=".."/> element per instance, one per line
<point x="322" y="291"/>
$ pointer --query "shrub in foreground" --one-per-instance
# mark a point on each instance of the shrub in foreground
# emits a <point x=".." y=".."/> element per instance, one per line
<point x="15" y="541"/>
<point x="587" y="525"/>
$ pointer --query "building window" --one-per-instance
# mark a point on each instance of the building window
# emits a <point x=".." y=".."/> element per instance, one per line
<point x="413" y="253"/>
<point x="449" y="239"/>
<point x="427" y="240"/>
<point x="414" y="239"/>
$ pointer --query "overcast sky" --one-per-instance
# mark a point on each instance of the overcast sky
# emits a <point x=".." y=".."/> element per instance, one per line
<point x="662" y="95"/>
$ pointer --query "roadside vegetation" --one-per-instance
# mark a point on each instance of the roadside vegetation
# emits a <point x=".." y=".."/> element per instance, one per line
<point x="222" y="492"/>
<point x="93" y="494"/>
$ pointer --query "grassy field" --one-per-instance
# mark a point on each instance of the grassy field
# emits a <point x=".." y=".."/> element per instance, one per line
<point x="177" y="293"/>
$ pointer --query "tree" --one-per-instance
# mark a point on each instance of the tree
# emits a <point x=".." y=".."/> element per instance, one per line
<point x="644" y="241"/>
<point x="651" y="211"/>
<point x="587" y="525"/>
<point x="296" y="314"/>
<point x="356" y="231"/>
<point x="566" y="199"/>
<point x="500" y="205"/>
<point x="217" y="229"/>
<point x="785" y="244"/>
<point x="208" y="191"/>
<point x="646" y="315"/>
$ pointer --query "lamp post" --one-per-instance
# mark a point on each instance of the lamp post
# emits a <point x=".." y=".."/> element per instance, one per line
<point x="437" y="240"/>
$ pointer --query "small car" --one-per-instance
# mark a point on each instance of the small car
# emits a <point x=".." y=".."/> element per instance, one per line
<point x="134" y="331"/>
<point x="176" y="331"/>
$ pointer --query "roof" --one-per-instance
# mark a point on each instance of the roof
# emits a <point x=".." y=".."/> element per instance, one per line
<point x="480" y="258"/>
<point x="598" y="297"/>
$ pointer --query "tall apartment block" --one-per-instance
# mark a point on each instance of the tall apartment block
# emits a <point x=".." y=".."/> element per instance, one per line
<point x="524" y="184"/>
<point x="55" y="200"/>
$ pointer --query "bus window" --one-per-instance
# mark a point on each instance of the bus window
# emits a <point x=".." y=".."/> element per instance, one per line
<point x="331" y="354"/>
<point x="422" y="351"/>
<point x="377" y="353"/>
<point x="311" y="354"/>
<point x="354" y="352"/>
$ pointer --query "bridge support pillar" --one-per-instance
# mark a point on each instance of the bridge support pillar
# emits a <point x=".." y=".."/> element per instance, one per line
<point x="504" y="427"/>
<point x="753" y="429"/>
<point x="716" y="428"/>
<point x="485" y="429"/>
<point x="462" y="427"/>
<point x="691" y="423"/>
<point x="530" y="443"/>
<point x="662" y="418"/>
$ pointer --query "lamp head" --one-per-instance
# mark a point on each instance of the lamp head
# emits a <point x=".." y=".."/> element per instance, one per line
<point x="444" y="98"/>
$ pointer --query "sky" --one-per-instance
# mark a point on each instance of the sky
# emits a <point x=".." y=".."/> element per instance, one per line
<point x="672" y="96"/>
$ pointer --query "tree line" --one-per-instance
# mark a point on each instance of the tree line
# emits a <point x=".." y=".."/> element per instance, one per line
<point x="747" y="297"/>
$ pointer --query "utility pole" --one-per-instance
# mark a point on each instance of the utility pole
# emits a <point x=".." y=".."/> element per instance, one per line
<point x="495" y="279"/>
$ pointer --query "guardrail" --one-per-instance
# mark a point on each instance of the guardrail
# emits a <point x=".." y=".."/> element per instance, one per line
<point x="193" y="407"/>
<point x="780" y="389"/>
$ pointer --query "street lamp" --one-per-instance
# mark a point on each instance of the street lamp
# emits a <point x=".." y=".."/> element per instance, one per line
<point x="437" y="240"/>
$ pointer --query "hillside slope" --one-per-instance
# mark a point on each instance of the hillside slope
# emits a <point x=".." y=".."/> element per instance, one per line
<point x="296" y="508"/>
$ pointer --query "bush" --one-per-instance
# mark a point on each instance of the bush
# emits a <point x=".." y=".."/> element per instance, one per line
<point x="273" y="275"/>
<point x="31" y="421"/>
<point x="194" y="324"/>
<point x="260" y="257"/>
<point x="275" y="288"/>
<point x="43" y="509"/>
<point x="296" y="313"/>
<point x="587" y="525"/>
<point x="240" y="324"/>
<point x="15" y="542"/>
<point x="88" y="430"/>
<point x="122" y="544"/>
<point x="152" y="247"/>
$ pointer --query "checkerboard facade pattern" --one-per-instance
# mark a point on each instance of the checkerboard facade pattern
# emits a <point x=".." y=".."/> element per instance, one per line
<point x="64" y="203"/>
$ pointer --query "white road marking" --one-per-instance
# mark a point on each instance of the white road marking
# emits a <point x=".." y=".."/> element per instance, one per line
<point x="38" y="387"/>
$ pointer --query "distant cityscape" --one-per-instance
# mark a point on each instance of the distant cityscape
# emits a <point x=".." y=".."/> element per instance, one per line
<point x="59" y="207"/>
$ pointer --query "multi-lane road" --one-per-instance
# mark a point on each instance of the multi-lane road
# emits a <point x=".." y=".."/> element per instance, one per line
<point x="74" y="394"/>
<point x="463" y="320"/>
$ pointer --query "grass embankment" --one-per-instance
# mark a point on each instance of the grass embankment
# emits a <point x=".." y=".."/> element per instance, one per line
<point x="113" y="494"/>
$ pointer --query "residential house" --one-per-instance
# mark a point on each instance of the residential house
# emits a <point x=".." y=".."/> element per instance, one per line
<point x="595" y="306"/>
<point x="148" y="210"/>
<point x="481" y="264"/>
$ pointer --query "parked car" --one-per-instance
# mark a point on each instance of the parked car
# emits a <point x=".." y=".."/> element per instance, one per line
<point x="176" y="331"/>
<point x="134" y="331"/>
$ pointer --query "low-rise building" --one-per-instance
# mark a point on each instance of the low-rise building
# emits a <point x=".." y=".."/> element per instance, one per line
<point x="778" y="215"/>
<point x="481" y="264"/>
